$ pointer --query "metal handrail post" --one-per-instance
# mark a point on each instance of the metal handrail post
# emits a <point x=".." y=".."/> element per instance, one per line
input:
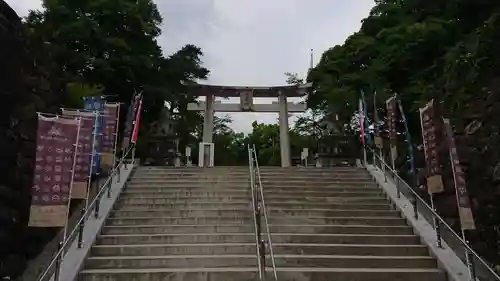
<point x="260" y="269"/>
<point x="264" y="214"/>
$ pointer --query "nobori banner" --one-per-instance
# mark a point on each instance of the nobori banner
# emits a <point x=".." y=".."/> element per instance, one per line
<point x="96" y="104"/>
<point x="56" y="142"/>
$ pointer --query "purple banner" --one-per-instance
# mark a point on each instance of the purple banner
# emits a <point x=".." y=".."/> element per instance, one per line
<point x="55" y="159"/>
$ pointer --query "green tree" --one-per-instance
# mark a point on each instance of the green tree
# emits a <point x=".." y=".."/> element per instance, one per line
<point x="422" y="50"/>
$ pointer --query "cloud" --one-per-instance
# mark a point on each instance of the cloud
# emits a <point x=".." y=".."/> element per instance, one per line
<point x="252" y="42"/>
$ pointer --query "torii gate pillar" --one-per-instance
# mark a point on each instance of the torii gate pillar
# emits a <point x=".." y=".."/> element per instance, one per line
<point x="208" y="123"/>
<point x="284" y="134"/>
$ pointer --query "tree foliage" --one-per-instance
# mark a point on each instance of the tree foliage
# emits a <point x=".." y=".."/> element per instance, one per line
<point x="422" y="50"/>
<point x="65" y="51"/>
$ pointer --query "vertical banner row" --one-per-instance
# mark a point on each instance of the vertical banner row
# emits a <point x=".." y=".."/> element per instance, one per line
<point x="57" y="139"/>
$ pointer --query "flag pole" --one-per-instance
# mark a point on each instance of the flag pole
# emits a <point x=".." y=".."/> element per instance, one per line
<point x="65" y="232"/>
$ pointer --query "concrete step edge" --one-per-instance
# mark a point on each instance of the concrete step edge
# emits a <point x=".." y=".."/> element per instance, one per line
<point x="253" y="234"/>
<point x="253" y="269"/>
<point x="270" y="225"/>
<point x="253" y="245"/>
<point x="252" y="256"/>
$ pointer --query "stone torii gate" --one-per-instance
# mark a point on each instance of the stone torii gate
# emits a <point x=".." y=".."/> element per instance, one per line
<point x="246" y="94"/>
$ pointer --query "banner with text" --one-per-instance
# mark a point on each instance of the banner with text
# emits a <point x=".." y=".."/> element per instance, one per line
<point x="96" y="104"/>
<point x="429" y="135"/>
<point x="463" y="200"/>
<point x="111" y="113"/>
<point x="54" y="165"/>
<point x="83" y="153"/>
<point x="391" y="123"/>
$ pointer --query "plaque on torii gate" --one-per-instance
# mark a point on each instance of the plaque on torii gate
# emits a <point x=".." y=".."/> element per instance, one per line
<point x="246" y="101"/>
<point x="246" y="95"/>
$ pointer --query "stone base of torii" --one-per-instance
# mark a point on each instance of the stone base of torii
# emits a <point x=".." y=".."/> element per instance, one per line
<point x="246" y="94"/>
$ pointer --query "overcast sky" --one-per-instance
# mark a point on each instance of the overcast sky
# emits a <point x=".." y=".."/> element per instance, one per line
<point x="252" y="42"/>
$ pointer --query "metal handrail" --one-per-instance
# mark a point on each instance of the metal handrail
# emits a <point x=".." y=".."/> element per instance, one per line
<point x="435" y="214"/>
<point x="254" y="211"/>
<point x="264" y="210"/>
<point x="61" y="249"/>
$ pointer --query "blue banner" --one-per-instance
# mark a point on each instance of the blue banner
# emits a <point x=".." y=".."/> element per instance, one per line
<point x="96" y="104"/>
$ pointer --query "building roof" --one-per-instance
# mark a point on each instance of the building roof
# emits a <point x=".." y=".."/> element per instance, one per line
<point x="260" y="92"/>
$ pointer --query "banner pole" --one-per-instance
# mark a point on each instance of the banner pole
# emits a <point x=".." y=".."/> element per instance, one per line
<point x="89" y="180"/>
<point x="72" y="177"/>
<point x="116" y="134"/>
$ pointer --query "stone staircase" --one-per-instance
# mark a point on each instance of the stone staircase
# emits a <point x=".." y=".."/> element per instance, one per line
<point x="336" y="224"/>
<point x="178" y="224"/>
<point x="193" y="224"/>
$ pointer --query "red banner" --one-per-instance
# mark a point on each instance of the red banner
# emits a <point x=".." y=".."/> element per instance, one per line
<point x="463" y="200"/>
<point x="55" y="161"/>
<point x="428" y="121"/>
<point x="135" y="133"/>
<point x="111" y="113"/>
<point x="129" y="123"/>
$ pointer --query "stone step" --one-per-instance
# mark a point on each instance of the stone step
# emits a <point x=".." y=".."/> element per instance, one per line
<point x="238" y="194"/>
<point x="178" y="238"/>
<point x="214" y="204"/>
<point x="311" y="214"/>
<point x="340" y="205"/>
<point x="248" y="260"/>
<point x="178" y="220"/>
<point x="249" y="274"/>
<point x="221" y="183"/>
<point x="246" y="177"/>
<point x="250" y="248"/>
<point x="244" y="169"/>
<point x="239" y="201"/>
<point x="192" y="213"/>
<point x="231" y="186"/>
<point x="192" y="174"/>
<point x="179" y="228"/>
<point x="339" y="196"/>
<point x="309" y="184"/>
<point x="180" y="204"/>
<point x="156" y="216"/>
<point x="184" y="181"/>
<point x="249" y="227"/>
<point x="190" y="184"/>
<point x="199" y="192"/>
